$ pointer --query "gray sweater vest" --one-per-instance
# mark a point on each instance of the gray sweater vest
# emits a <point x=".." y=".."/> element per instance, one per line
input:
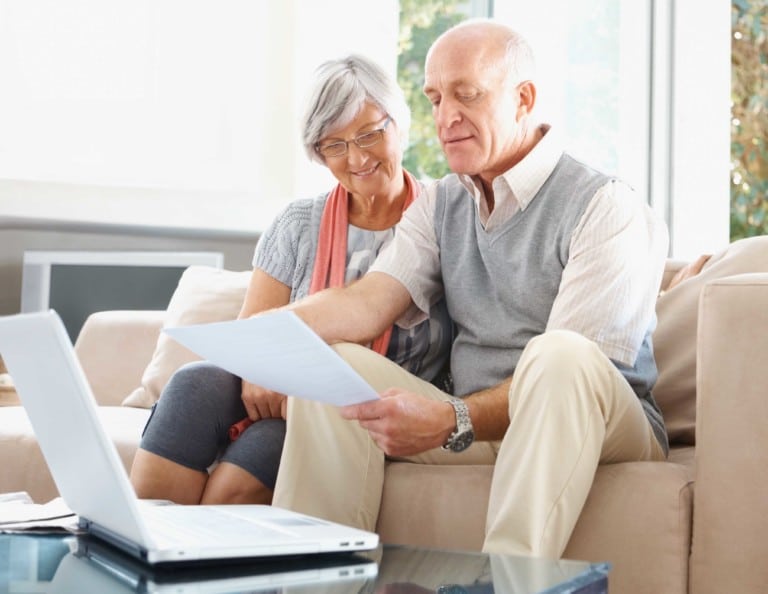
<point x="500" y="285"/>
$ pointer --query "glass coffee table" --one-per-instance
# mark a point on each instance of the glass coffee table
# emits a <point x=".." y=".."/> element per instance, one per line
<point x="32" y="564"/>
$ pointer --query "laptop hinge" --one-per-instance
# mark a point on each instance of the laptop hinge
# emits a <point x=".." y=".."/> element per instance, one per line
<point x="116" y="540"/>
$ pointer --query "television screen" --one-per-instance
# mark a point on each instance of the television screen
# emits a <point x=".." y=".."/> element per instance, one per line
<point x="78" y="283"/>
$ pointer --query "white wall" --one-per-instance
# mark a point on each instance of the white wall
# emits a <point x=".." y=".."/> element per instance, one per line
<point x="170" y="112"/>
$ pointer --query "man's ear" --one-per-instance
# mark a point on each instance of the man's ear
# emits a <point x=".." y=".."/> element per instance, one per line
<point x="526" y="98"/>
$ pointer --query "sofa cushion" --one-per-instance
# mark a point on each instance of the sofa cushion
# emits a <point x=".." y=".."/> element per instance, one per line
<point x="22" y="462"/>
<point x="635" y="511"/>
<point x="114" y="347"/>
<point x="204" y="294"/>
<point x="675" y="339"/>
<point x="638" y="510"/>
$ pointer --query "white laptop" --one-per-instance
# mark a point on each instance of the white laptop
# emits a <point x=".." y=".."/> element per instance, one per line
<point x="90" y="567"/>
<point x="94" y="484"/>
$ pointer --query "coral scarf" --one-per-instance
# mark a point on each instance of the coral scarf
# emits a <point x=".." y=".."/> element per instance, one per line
<point x="331" y="259"/>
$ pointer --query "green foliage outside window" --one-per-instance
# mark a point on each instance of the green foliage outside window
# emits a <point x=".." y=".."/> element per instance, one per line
<point x="421" y="21"/>
<point x="749" y="121"/>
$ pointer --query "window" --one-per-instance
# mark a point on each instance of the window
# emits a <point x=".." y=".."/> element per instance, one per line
<point x="627" y="82"/>
<point x="749" y="122"/>
<point x="122" y="115"/>
<point x="601" y="48"/>
<point x="421" y="22"/>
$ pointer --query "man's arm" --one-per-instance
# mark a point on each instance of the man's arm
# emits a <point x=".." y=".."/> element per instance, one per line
<point x="610" y="283"/>
<point x="400" y="422"/>
<point x="357" y="313"/>
<point x="404" y="424"/>
<point x="489" y="411"/>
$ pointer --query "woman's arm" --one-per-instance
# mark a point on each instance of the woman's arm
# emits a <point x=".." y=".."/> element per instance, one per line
<point x="264" y="292"/>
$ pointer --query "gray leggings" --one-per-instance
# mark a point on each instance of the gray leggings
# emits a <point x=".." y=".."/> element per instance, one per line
<point x="190" y="423"/>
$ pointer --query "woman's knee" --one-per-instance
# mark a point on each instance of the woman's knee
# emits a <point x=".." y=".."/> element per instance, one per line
<point x="190" y="421"/>
<point x="199" y="399"/>
<point x="202" y="385"/>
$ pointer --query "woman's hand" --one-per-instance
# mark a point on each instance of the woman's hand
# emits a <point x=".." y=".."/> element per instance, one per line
<point x="261" y="403"/>
<point x="264" y="293"/>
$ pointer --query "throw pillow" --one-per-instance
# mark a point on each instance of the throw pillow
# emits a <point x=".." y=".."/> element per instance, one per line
<point x="674" y="340"/>
<point x="204" y="294"/>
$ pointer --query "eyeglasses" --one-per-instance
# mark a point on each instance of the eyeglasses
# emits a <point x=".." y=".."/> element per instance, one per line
<point x="338" y="148"/>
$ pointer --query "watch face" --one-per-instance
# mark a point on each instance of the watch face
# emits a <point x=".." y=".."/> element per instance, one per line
<point x="452" y="589"/>
<point x="464" y="435"/>
<point x="462" y="441"/>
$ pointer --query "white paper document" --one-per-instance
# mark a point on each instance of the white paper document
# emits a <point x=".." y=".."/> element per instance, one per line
<point x="19" y="514"/>
<point x="280" y="352"/>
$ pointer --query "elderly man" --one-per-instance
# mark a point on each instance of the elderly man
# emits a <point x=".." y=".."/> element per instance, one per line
<point x="550" y="270"/>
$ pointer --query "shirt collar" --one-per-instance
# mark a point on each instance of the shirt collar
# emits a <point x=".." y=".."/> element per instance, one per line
<point x="526" y="177"/>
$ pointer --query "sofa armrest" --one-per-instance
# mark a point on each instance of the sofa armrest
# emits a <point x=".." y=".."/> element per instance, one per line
<point x="114" y="348"/>
<point x="671" y="268"/>
<point x="729" y="548"/>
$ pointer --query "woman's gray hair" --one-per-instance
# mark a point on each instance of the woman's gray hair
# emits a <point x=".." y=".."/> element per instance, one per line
<point x="340" y="89"/>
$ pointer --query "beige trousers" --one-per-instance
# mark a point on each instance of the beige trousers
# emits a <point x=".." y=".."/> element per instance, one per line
<point x="570" y="409"/>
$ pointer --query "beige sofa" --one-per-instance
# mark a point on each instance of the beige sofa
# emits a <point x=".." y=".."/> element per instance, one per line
<point x="696" y="523"/>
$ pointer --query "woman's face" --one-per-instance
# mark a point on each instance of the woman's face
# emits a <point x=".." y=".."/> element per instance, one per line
<point x="367" y="171"/>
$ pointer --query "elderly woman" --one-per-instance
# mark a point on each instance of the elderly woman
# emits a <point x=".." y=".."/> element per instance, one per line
<point x="356" y="124"/>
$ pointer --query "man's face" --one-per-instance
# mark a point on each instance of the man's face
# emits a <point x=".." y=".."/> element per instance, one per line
<point x="475" y="106"/>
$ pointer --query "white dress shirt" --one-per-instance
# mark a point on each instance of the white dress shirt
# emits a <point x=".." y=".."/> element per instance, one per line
<point x="616" y="257"/>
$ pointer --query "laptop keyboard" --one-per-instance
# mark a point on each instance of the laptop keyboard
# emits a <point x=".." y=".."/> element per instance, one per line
<point x="205" y="525"/>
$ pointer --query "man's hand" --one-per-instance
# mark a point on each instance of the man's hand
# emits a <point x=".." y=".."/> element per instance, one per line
<point x="403" y="423"/>
<point x="261" y="403"/>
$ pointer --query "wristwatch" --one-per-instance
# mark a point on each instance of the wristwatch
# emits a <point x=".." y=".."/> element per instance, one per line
<point x="464" y="434"/>
<point x="452" y="589"/>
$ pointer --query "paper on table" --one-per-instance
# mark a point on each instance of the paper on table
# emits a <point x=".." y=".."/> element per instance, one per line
<point x="18" y="515"/>
<point x="280" y="352"/>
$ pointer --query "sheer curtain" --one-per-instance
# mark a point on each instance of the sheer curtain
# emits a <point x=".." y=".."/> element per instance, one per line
<point x="171" y="112"/>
